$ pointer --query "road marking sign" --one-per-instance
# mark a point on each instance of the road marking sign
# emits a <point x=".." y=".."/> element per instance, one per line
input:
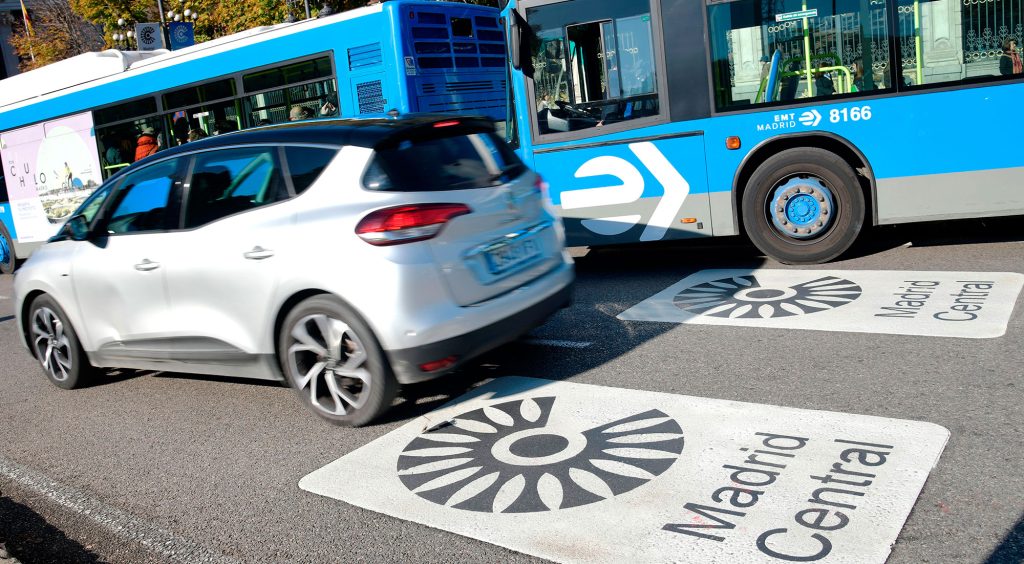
<point x="581" y="473"/>
<point x="974" y="305"/>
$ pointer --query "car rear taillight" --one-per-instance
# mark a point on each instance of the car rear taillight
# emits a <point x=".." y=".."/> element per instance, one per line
<point x="541" y="186"/>
<point x="407" y="224"/>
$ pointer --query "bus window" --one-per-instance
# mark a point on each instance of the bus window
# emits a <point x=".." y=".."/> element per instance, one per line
<point x="797" y="49"/>
<point x="295" y="87"/>
<point x="128" y="110"/>
<point x="124" y="143"/>
<point x="208" y="108"/>
<point x="593" y="74"/>
<point x="987" y="33"/>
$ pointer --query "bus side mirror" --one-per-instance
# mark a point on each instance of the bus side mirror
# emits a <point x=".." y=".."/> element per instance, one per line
<point x="518" y="46"/>
<point x="515" y="41"/>
<point x="78" y="228"/>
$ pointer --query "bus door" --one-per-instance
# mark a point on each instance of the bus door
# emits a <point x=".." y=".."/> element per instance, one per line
<point x="641" y="189"/>
<point x="593" y="95"/>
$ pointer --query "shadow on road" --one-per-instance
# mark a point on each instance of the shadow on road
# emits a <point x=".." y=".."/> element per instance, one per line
<point x="1011" y="550"/>
<point x="30" y="539"/>
<point x="613" y="279"/>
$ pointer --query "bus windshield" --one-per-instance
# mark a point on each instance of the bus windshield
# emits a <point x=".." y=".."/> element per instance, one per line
<point x="594" y="73"/>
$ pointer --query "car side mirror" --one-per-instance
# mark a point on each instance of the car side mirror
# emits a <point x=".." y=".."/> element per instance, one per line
<point x="78" y="228"/>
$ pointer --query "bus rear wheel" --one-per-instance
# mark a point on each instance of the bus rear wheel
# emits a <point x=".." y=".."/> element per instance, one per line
<point x="803" y="206"/>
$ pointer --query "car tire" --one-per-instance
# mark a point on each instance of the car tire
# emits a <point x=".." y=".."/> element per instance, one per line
<point x="803" y="206"/>
<point x="8" y="262"/>
<point x="335" y="364"/>
<point x="55" y="345"/>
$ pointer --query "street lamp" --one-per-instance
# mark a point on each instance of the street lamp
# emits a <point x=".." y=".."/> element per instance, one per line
<point x="182" y="13"/>
<point x="122" y="37"/>
<point x="290" y="17"/>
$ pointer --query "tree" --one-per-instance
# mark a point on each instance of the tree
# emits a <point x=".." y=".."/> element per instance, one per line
<point x="217" y="18"/>
<point x="105" y="13"/>
<point x="56" y="33"/>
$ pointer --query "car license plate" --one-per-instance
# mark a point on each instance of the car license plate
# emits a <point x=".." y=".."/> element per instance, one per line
<point x="510" y="255"/>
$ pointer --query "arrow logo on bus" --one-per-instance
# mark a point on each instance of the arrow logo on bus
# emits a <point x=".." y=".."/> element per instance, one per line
<point x="630" y="190"/>
<point x="811" y="118"/>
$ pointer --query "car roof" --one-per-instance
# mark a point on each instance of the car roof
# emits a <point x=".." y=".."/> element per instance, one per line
<point x="361" y="132"/>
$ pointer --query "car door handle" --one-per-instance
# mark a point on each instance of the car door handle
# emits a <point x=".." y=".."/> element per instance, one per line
<point x="259" y="253"/>
<point x="147" y="265"/>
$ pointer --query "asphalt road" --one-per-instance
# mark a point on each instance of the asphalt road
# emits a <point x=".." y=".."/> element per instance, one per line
<point x="166" y="467"/>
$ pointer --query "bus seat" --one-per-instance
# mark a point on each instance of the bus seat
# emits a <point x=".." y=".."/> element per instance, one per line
<point x="542" y="121"/>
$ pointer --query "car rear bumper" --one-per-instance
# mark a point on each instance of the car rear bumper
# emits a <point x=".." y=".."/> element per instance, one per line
<point x="406" y="362"/>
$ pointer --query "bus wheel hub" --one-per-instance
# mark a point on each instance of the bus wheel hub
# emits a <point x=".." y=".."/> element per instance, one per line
<point x="802" y="207"/>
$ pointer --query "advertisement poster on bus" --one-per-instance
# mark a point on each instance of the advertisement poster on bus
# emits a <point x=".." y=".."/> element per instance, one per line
<point x="51" y="168"/>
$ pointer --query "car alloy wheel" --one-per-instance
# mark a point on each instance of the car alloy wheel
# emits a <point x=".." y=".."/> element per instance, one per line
<point x="51" y="344"/>
<point x="333" y="362"/>
<point x="329" y="360"/>
<point x="55" y="344"/>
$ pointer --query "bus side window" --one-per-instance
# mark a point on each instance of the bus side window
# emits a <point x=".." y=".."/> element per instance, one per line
<point x="822" y="49"/>
<point x="983" y="41"/>
<point x="593" y="74"/>
<point x="3" y="190"/>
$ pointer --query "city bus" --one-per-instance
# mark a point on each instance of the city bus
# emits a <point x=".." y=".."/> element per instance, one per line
<point x="66" y="127"/>
<point x="799" y="123"/>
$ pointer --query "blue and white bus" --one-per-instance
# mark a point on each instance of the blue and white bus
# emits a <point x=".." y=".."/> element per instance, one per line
<point x="798" y="122"/>
<point x="66" y="127"/>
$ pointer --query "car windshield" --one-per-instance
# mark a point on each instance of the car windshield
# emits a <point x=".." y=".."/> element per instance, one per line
<point x="477" y="160"/>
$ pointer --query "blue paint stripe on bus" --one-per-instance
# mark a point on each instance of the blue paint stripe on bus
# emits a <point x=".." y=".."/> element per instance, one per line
<point x="8" y="219"/>
<point x="906" y="136"/>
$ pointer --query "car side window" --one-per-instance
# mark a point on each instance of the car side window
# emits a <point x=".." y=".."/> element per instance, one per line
<point x="231" y="181"/>
<point x="306" y="164"/>
<point x="145" y="200"/>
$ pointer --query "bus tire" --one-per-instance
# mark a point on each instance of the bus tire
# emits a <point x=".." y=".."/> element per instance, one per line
<point x="8" y="262"/>
<point x="803" y="206"/>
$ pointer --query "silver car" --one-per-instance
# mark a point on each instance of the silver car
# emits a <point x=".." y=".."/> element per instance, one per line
<point x="345" y="257"/>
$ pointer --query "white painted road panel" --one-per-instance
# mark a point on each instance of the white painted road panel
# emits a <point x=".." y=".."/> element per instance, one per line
<point x="972" y="305"/>
<point x="580" y="473"/>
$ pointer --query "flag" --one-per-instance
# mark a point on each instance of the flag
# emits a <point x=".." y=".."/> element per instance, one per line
<point x="24" y="15"/>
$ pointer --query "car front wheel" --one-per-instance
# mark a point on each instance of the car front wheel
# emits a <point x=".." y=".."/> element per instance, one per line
<point x="55" y="344"/>
<point x="333" y="361"/>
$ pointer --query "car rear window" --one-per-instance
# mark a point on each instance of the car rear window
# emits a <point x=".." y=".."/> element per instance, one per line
<point x="457" y="162"/>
